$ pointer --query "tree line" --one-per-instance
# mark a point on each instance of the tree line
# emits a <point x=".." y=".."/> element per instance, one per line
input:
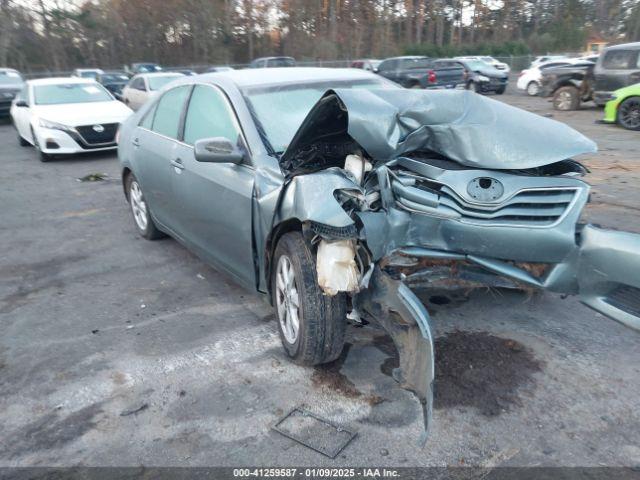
<point x="62" y="34"/>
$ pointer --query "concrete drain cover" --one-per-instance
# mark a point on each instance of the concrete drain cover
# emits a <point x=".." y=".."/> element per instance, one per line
<point x="314" y="432"/>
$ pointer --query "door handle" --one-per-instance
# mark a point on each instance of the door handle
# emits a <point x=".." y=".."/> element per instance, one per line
<point x="177" y="163"/>
<point x="136" y="142"/>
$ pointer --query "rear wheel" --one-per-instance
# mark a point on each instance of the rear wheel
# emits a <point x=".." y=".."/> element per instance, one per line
<point x="140" y="210"/>
<point x="415" y="86"/>
<point x="533" y="88"/>
<point x="311" y="325"/>
<point x="566" y="98"/>
<point x="629" y="113"/>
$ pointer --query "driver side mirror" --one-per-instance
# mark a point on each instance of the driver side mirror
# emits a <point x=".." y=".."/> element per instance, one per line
<point x="375" y="70"/>
<point x="217" y="150"/>
<point x="21" y="103"/>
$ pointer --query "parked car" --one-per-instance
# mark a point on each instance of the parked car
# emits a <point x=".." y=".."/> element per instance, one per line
<point x="530" y="80"/>
<point x="617" y="67"/>
<point x="422" y="72"/>
<point x="144" y="86"/>
<point x="273" y="62"/>
<point x="218" y="68"/>
<point x="329" y="191"/>
<point x="144" y="67"/>
<point x="67" y="115"/>
<point x="185" y="71"/>
<point x="624" y="107"/>
<point x="91" y="73"/>
<point x="369" y="64"/>
<point x="11" y="83"/>
<point x="481" y="77"/>
<point x="568" y="85"/>
<point x="504" y="67"/>
<point x="114" y="81"/>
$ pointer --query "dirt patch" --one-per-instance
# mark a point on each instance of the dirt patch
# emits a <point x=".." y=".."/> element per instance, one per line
<point x="385" y="344"/>
<point x="480" y="370"/>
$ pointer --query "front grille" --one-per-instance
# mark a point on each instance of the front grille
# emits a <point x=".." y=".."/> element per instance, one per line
<point x="93" y="138"/>
<point x="626" y="298"/>
<point x="539" y="207"/>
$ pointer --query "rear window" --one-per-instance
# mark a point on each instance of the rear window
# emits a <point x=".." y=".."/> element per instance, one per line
<point x="620" y="59"/>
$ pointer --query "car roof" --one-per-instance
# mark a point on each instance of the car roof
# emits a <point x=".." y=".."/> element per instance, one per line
<point x="407" y="57"/>
<point x="625" y="46"/>
<point x="272" y="58"/>
<point x="9" y="70"/>
<point x="270" y="76"/>
<point x="60" y="80"/>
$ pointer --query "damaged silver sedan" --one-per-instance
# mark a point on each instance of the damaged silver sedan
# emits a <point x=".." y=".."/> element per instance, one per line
<point x="332" y="192"/>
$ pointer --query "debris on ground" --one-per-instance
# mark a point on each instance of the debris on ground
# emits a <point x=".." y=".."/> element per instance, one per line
<point x="314" y="432"/>
<point x="133" y="411"/>
<point x="94" y="177"/>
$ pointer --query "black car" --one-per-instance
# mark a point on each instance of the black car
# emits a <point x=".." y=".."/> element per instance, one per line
<point x="568" y="85"/>
<point x="10" y="84"/>
<point x="482" y="77"/>
<point x="617" y="67"/>
<point x="114" y="81"/>
<point x="421" y="72"/>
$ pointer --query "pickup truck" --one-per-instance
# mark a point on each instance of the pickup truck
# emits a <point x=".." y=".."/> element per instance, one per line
<point x="421" y="72"/>
<point x="568" y="85"/>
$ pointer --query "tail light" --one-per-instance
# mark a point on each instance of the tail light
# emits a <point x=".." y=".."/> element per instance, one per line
<point x="431" y="76"/>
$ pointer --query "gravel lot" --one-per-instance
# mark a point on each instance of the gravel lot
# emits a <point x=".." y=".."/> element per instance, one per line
<point x="119" y="351"/>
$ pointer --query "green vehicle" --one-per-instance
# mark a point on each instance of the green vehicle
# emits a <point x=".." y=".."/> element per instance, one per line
<point x="624" y="107"/>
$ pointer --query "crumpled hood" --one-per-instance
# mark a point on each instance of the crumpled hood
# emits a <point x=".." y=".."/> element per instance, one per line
<point x="468" y="128"/>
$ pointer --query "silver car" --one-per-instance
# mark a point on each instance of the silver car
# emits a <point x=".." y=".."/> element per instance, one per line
<point x="333" y="191"/>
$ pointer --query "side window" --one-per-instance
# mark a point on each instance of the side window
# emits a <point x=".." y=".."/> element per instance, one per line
<point x="209" y="115"/>
<point x="169" y="108"/>
<point x="147" y="120"/>
<point x="618" y="59"/>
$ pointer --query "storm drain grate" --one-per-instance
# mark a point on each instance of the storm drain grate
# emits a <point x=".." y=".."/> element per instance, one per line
<point x="314" y="432"/>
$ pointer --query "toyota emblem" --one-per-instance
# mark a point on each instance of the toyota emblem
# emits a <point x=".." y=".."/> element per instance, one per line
<point x="98" y="128"/>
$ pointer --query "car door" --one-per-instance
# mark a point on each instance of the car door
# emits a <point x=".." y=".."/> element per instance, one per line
<point x="155" y="143"/>
<point x="388" y="69"/>
<point x="214" y="200"/>
<point x="618" y="69"/>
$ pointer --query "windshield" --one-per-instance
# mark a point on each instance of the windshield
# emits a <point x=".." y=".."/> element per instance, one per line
<point x="476" y="64"/>
<point x="281" y="109"/>
<point x="156" y="83"/>
<point x="89" y="74"/>
<point x="417" y="63"/>
<point x="148" y="67"/>
<point x="282" y="62"/>
<point x="114" y="77"/>
<point x="10" y="78"/>
<point x="487" y="59"/>
<point x="70" y="93"/>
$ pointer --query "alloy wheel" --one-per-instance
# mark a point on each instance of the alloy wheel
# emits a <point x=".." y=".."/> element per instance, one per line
<point x="564" y="100"/>
<point x="629" y="114"/>
<point x="533" y="88"/>
<point x="138" y="206"/>
<point x="287" y="300"/>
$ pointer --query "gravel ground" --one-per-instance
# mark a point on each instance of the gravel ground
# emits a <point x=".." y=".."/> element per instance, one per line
<point x="122" y="352"/>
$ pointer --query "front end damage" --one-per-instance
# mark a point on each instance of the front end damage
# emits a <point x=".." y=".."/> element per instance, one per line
<point x="423" y="195"/>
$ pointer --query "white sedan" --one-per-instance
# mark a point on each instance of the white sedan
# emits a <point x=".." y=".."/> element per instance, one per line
<point x="67" y="115"/>
<point x="144" y="86"/>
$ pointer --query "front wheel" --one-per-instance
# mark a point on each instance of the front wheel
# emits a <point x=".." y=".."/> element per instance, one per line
<point x="629" y="113"/>
<point x="140" y="210"/>
<point x="311" y="325"/>
<point x="566" y="98"/>
<point x="501" y="90"/>
<point x="533" y="88"/>
<point x="474" y="87"/>
<point x="44" y="157"/>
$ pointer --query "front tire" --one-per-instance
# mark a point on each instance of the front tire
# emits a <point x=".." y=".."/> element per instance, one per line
<point x="44" y="157"/>
<point x="140" y="210"/>
<point x="21" y="141"/>
<point x="566" y="98"/>
<point x="533" y="88"/>
<point x="312" y="325"/>
<point x="629" y="113"/>
<point x="501" y="90"/>
<point x="474" y="87"/>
